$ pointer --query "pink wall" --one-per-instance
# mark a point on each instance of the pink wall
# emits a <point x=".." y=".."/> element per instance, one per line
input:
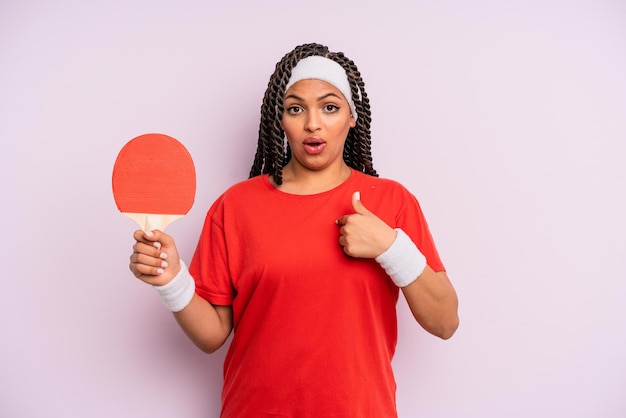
<point x="507" y="121"/>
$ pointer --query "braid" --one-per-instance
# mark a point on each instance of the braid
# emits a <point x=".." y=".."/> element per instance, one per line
<point x="357" y="150"/>
<point x="272" y="154"/>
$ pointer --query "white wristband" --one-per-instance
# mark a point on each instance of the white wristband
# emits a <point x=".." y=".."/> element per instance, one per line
<point x="402" y="261"/>
<point x="178" y="292"/>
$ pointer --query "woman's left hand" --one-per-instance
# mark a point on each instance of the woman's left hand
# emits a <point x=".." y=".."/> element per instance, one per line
<point x="363" y="234"/>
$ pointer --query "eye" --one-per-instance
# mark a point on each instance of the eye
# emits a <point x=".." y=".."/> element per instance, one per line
<point x="294" y="110"/>
<point x="331" y="108"/>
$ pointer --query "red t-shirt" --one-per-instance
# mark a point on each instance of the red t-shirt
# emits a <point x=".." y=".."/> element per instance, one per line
<point x="314" y="329"/>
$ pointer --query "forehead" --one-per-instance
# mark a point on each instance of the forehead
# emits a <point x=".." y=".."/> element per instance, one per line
<point x="313" y="89"/>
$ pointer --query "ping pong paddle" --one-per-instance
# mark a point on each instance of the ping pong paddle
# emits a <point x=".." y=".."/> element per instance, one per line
<point x="154" y="181"/>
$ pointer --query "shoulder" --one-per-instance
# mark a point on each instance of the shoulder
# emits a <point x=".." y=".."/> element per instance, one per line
<point x="247" y="188"/>
<point x="382" y="185"/>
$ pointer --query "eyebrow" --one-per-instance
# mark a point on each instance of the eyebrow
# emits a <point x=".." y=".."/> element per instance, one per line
<point x="319" y="99"/>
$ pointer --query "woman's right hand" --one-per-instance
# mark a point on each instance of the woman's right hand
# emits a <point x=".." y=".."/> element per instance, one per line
<point x="155" y="258"/>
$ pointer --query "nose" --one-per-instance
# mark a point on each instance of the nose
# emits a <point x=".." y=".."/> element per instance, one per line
<point x="313" y="122"/>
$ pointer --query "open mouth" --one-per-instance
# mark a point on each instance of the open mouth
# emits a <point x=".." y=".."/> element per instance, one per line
<point x="314" y="145"/>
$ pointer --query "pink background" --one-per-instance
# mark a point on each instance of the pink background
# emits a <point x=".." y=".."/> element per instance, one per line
<point x="506" y="119"/>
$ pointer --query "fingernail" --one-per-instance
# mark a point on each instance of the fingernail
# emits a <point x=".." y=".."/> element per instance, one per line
<point x="149" y="233"/>
<point x="159" y="271"/>
<point x="163" y="256"/>
<point x="164" y="264"/>
<point x="157" y="244"/>
<point x="357" y="195"/>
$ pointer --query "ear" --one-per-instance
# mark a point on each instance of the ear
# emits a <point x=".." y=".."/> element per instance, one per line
<point x="352" y="121"/>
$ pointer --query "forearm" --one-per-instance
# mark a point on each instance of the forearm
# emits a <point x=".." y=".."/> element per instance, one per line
<point x="430" y="295"/>
<point x="206" y="325"/>
<point x="433" y="302"/>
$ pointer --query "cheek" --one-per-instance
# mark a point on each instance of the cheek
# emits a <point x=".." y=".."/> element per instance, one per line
<point x="287" y="130"/>
<point x="288" y="124"/>
<point x="345" y="129"/>
<point x="285" y="127"/>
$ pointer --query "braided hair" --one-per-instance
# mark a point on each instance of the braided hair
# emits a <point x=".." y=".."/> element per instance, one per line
<point x="272" y="154"/>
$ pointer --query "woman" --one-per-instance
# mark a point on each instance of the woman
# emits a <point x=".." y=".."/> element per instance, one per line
<point x="305" y="260"/>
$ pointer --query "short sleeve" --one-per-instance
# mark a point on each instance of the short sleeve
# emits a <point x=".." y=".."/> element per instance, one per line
<point x="209" y="265"/>
<point x="412" y="221"/>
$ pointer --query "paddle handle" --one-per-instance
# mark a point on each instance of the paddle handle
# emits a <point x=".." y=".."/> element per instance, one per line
<point x="151" y="221"/>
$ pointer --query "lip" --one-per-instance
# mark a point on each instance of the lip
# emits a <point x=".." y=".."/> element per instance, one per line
<point x="313" y="145"/>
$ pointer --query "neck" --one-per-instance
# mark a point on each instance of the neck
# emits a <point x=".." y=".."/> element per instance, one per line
<point x="300" y="180"/>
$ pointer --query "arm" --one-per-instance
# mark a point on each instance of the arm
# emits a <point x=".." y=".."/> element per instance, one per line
<point x="433" y="302"/>
<point x="207" y="325"/>
<point x="431" y="296"/>
<point x="155" y="261"/>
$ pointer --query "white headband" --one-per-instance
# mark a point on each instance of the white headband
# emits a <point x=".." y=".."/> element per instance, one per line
<point x="325" y="69"/>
